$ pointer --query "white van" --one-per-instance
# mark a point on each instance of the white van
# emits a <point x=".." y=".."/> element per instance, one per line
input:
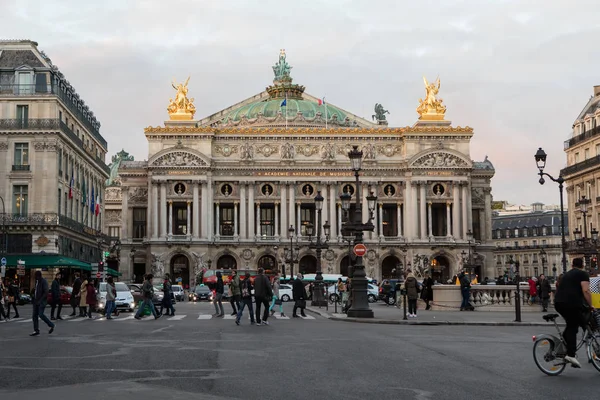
<point x="123" y="301"/>
<point x="178" y="292"/>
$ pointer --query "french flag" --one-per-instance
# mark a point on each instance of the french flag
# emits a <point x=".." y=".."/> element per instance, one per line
<point x="321" y="101"/>
<point x="97" y="205"/>
<point x="71" y="184"/>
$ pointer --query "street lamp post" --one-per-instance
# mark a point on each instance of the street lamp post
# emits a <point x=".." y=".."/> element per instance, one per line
<point x="540" y="159"/>
<point x="543" y="259"/>
<point x="360" y="304"/>
<point x="318" y="298"/>
<point x="583" y="243"/>
<point x="289" y="253"/>
<point x="4" y="236"/>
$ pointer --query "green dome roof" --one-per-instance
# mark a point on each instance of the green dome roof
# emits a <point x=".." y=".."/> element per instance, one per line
<point x="271" y="107"/>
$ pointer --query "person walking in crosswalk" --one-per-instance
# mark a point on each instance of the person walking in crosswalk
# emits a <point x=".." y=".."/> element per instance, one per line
<point x="218" y="301"/>
<point x="148" y="293"/>
<point x="263" y="295"/>
<point x="246" y="300"/>
<point x="299" y="293"/>
<point x="236" y="292"/>
<point x="276" y="298"/>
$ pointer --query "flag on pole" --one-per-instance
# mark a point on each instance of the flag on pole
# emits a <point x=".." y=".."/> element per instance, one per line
<point x="325" y="112"/>
<point x="284" y="102"/>
<point x="97" y="204"/>
<point x="321" y="101"/>
<point x="92" y="201"/>
<point x="71" y="184"/>
<point x="83" y="193"/>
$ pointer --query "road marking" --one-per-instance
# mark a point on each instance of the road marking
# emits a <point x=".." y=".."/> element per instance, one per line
<point x="78" y="319"/>
<point x="204" y="316"/>
<point x="177" y="317"/>
<point x="280" y="317"/>
<point x="16" y="319"/>
<point x="307" y="317"/>
<point x="23" y="321"/>
<point x="125" y="319"/>
<point x="229" y="316"/>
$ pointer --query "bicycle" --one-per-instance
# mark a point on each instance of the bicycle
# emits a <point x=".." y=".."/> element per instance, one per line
<point x="549" y="350"/>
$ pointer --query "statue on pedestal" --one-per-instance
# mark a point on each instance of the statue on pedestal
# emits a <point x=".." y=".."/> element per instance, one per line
<point x="181" y="107"/>
<point x="431" y="107"/>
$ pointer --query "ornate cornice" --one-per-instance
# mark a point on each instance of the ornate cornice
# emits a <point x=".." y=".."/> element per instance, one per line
<point x="308" y="130"/>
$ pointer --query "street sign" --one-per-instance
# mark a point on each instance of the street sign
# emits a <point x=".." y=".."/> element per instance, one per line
<point x="3" y="261"/>
<point x="360" y="250"/>
<point x="98" y="275"/>
<point x="21" y="270"/>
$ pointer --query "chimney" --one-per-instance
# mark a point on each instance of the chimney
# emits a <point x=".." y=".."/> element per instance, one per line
<point x="596" y="90"/>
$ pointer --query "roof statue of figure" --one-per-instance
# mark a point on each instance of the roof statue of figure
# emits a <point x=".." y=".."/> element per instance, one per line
<point x="431" y="108"/>
<point x="181" y="108"/>
<point x="379" y="113"/>
<point x="282" y="69"/>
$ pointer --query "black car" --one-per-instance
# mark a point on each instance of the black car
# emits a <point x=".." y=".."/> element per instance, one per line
<point x="201" y="293"/>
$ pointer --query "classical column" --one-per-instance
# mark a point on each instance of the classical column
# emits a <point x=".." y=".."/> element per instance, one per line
<point x="482" y="230"/>
<point x="380" y="220"/>
<point x="163" y="210"/>
<point x="243" y="213"/>
<point x="188" y="219"/>
<point x="258" y="231"/>
<point x="210" y="202"/>
<point x="195" y="210"/>
<point x="251" y="206"/>
<point x="124" y="212"/>
<point x="170" y="217"/>
<point x="365" y="209"/>
<point x="298" y="219"/>
<point x="456" y="233"/>
<point x="325" y="212"/>
<point x="276" y="219"/>
<point x="204" y="213"/>
<point x="292" y="206"/>
<point x="469" y="208"/>
<point x="414" y="198"/>
<point x="422" y="211"/>
<point x="218" y="221"/>
<point x="465" y="209"/>
<point x="448" y="226"/>
<point x="155" y="210"/>
<point x="332" y="213"/>
<point x="283" y="227"/>
<point x="407" y="210"/>
<point x="235" y="219"/>
<point x="429" y="221"/>
<point x="399" y="219"/>
<point x="488" y="213"/>
<point x="339" y="219"/>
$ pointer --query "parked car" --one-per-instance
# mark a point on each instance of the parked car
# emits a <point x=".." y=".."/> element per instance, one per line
<point x="389" y="297"/>
<point x="65" y="295"/>
<point x="124" y="299"/>
<point x="178" y="292"/>
<point x="372" y="293"/>
<point x="201" y="292"/>
<point x="24" y="298"/>
<point x="285" y="292"/>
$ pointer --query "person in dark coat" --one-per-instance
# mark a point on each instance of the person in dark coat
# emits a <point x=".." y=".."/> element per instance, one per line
<point x="263" y="293"/>
<point x="40" y="300"/>
<point x="75" y="295"/>
<point x="246" y="289"/>
<point x="167" y="301"/>
<point x="465" y="290"/>
<point x="56" y="301"/>
<point x="544" y="290"/>
<point x="13" y="298"/>
<point x="90" y="298"/>
<point x="411" y="285"/>
<point x="427" y="291"/>
<point x="218" y="301"/>
<point x="299" y="293"/>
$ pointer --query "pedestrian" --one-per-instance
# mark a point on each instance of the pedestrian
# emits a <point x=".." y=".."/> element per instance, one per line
<point x="544" y="290"/>
<point x="83" y="298"/>
<point x="532" y="290"/>
<point x="412" y="293"/>
<point x="75" y="294"/>
<point x="40" y="300"/>
<point x="111" y="295"/>
<point x="347" y="296"/>
<point x="3" y="301"/>
<point x="236" y="294"/>
<point x="148" y="294"/>
<point x="13" y="298"/>
<point x="167" y="301"/>
<point x="56" y="300"/>
<point x="90" y="298"/>
<point x="427" y="291"/>
<point x="218" y="300"/>
<point x="276" y="298"/>
<point x="465" y="290"/>
<point x="299" y="293"/>
<point x="263" y="293"/>
<point x="246" y="290"/>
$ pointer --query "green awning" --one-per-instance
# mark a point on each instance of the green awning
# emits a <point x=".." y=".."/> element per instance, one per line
<point x="47" y="261"/>
<point x="112" y="272"/>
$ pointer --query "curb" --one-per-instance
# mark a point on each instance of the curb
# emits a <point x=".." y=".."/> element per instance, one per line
<point x="426" y="323"/>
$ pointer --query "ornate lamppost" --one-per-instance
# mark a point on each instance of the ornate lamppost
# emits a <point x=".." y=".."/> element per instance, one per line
<point x="540" y="159"/>
<point x="543" y="259"/>
<point x="583" y="244"/>
<point x="290" y="257"/>
<point x="318" y="299"/>
<point x="4" y="235"/>
<point x="360" y="304"/>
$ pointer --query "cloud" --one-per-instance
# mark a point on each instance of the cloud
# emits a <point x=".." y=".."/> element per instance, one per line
<point x="518" y="72"/>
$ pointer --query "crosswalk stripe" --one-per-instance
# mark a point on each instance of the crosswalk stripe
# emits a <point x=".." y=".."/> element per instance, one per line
<point x="307" y="317"/>
<point x="15" y="319"/>
<point x="78" y="319"/>
<point x="280" y="317"/>
<point x="23" y="321"/>
<point x="204" y="316"/>
<point x="177" y="317"/>
<point x="229" y="316"/>
<point x="125" y="319"/>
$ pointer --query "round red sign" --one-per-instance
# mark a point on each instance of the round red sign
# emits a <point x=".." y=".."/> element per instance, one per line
<point x="360" y="250"/>
<point x="98" y="275"/>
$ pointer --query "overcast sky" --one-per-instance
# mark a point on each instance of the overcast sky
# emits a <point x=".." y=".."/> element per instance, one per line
<point x="518" y="72"/>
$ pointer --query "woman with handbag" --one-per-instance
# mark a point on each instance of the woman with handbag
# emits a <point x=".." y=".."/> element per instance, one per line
<point x="90" y="298"/>
<point x="276" y="299"/>
<point x="3" y="298"/>
<point x="299" y="293"/>
<point x="83" y="298"/>
<point x="13" y="298"/>
<point x="427" y="291"/>
<point x="167" y="302"/>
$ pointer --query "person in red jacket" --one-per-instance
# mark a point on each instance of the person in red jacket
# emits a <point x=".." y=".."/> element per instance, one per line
<point x="532" y="290"/>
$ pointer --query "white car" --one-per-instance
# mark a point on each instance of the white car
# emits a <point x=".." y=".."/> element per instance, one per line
<point x="372" y="292"/>
<point x="123" y="300"/>
<point x="178" y="292"/>
<point x="285" y="292"/>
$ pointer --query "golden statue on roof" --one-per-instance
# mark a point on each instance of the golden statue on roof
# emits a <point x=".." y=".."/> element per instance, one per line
<point x="181" y="108"/>
<point x="431" y="108"/>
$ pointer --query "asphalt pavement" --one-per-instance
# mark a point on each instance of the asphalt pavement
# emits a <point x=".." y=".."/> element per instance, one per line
<point x="209" y="358"/>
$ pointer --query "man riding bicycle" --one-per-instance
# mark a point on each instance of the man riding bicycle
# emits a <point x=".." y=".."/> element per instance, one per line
<point x="573" y="302"/>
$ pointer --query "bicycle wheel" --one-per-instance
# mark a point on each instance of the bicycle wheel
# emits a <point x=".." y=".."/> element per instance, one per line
<point x="593" y="349"/>
<point x="544" y="355"/>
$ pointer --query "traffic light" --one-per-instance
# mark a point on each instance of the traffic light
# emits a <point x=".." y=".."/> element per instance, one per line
<point x="101" y="266"/>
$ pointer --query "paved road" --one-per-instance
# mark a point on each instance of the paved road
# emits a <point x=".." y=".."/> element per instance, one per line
<point x="290" y="359"/>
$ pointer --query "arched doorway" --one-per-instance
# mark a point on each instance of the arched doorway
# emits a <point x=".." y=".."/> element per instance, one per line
<point x="345" y="266"/>
<point x="308" y="265"/>
<point x="388" y="265"/>
<point x="440" y="269"/>
<point x="268" y="263"/>
<point x="180" y="270"/>
<point x="227" y="262"/>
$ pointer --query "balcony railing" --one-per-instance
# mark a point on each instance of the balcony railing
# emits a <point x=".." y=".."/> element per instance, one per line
<point x="580" y="166"/>
<point x="52" y="123"/>
<point x="12" y="89"/>
<point x="20" y="168"/>
<point x="582" y="137"/>
<point x="49" y="219"/>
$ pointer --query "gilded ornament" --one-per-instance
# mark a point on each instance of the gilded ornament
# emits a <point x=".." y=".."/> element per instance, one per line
<point x="181" y="108"/>
<point x="431" y="108"/>
<point x="42" y="241"/>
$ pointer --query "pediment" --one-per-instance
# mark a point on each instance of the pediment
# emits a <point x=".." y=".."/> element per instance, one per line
<point x="440" y="159"/>
<point x="179" y="158"/>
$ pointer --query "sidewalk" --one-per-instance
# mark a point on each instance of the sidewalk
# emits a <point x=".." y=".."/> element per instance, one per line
<point x="393" y="315"/>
